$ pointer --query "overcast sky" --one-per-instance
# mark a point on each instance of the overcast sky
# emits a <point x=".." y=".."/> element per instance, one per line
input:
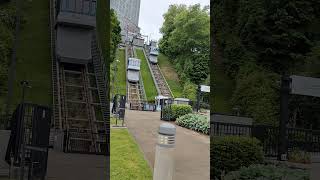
<point x="151" y="12"/>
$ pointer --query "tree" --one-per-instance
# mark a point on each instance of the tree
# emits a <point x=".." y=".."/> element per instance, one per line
<point x="268" y="39"/>
<point x="186" y="38"/>
<point x="115" y="34"/>
<point x="7" y="24"/>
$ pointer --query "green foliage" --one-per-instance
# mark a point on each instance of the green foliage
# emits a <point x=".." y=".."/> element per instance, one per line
<point x="7" y="14"/>
<point x="176" y="110"/>
<point x="274" y="38"/>
<point x="186" y="40"/>
<point x="267" y="172"/>
<point x="229" y="153"/>
<point x="195" y="122"/>
<point x="256" y="94"/>
<point x="115" y="34"/>
<point x="298" y="156"/>
<point x="190" y="91"/>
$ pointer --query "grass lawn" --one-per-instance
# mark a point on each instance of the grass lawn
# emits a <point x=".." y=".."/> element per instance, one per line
<point x="120" y="80"/>
<point x="34" y="61"/>
<point x="113" y="121"/>
<point x="126" y="160"/>
<point x="149" y="86"/>
<point x="167" y="69"/>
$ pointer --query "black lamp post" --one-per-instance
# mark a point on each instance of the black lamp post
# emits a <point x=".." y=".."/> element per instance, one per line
<point x="198" y="97"/>
<point x="25" y="84"/>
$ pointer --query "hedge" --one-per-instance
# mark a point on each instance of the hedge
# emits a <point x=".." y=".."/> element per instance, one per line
<point x="229" y="153"/>
<point x="268" y="172"/>
<point x="195" y="122"/>
<point x="176" y="110"/>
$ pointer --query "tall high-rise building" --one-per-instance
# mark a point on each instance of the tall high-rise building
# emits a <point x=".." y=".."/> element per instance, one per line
<point x="128" y="14"/>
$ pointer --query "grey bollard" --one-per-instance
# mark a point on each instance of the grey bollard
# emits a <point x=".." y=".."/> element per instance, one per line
<point x="164" y="160"/>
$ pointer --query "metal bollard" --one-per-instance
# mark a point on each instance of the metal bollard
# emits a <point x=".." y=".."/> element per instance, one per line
<point x="164" y="160"/>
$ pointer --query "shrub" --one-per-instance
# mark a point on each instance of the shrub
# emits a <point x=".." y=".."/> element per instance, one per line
<point x="229" y="153"/>
<point x="195" y="122"/>
<point x="267" y="172"/>
<point x="299" y="156"/>
<point x="176" y="110"/>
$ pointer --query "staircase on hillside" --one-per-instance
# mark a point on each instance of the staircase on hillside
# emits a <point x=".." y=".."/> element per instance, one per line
<point x="102" y="81"/>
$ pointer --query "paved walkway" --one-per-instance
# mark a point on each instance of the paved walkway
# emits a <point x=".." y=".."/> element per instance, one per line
<point x="315" y="168"/>
<point x="67" y="166"/>
<point x="192" y="158"/>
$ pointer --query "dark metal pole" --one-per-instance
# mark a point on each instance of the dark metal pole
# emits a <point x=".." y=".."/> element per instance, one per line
<point x="284" y="116"/>
<point x="198" y="98"/>
<point x="25" y="85"/>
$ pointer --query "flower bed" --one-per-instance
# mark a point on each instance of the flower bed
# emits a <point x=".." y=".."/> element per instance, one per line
<point x="195" y="122"/>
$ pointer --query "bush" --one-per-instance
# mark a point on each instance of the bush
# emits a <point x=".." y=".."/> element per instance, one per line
<point x="176" y="110"/>
<point x="229" y="153"/>
<point x="195" y="122"/>
<point x="298" y="156"/>
<point x="267" y="172"/>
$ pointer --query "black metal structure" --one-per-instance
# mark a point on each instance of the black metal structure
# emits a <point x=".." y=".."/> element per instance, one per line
<point x="29" y="139"/>
<point x="166" y="110"/>
<point x="301" y="139"/>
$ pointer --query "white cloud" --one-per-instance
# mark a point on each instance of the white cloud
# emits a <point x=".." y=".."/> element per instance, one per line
<point x="151" y="11"/>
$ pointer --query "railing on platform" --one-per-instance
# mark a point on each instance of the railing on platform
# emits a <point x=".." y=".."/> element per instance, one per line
<point x="296" y="139"/>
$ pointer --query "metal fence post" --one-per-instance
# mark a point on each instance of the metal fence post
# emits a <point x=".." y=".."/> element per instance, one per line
<point x="164" y="160"/>
<point x="284" y="116"/>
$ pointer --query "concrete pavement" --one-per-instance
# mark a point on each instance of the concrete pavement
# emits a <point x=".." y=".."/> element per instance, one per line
<point x="192" y="152"/>
<point x="68" y="166"/>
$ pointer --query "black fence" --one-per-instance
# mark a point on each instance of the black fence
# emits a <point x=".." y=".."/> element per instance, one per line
<point x="29" y="139"/>
<point x="301" y="139"/>
<point x="85" y="142"/>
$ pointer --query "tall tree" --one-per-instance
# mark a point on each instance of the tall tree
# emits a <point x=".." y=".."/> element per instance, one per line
<point x="115" y="34"/>
<point x="186" y="38"/>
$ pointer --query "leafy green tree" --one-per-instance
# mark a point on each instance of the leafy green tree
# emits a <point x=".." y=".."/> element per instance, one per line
<point x="267" y="39"/>
<point x="256" y="94"/>
<point x="6" y="39"/>
<point x="186" y="32"/>
<point x="115" y="34"/>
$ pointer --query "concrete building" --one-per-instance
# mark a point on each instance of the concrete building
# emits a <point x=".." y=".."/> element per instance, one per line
<point x="128" y="14"/>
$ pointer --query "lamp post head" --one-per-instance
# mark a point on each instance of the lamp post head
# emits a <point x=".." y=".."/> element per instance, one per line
<point x="167" y="133"/>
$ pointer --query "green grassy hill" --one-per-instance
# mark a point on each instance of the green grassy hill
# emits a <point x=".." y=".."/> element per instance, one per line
<point x="169" y="72"/>
<point x="33" y="53"/>
<point x="149" y="86"/>
<point x="120" y="80"/>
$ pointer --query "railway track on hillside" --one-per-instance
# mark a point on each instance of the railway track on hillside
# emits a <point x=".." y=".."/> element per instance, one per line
<point x="135" y="90"/>
<point x="80" y="111"/>
<point x="161" y="83"/>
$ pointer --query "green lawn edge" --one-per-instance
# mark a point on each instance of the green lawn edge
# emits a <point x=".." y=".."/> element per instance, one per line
<point x="126" y="160"/>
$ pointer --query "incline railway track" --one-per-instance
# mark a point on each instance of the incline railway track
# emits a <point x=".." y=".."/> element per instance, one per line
<point x="80" y="109"/>
<point x="135" y="92"/>
<point x="161" y="83"/>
